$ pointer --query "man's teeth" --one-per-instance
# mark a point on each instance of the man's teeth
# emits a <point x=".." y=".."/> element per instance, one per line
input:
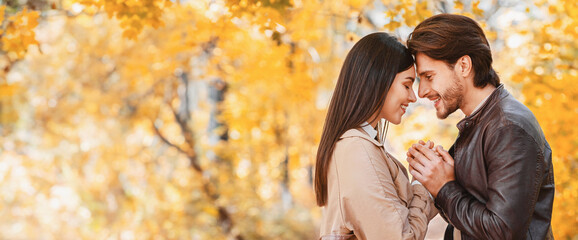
<point x="437" y="100"/>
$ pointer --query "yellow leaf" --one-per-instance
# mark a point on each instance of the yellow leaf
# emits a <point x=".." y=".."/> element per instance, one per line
<point x="553" y="9"/>
<point x="422" y="11"/>
<point x="393" y="25"/>
<point x="211" y="210"/>
<point x="357" y="4"/>
<point x="19" y="33"/>
<point x="477" y="11"/>
<point x="458" y="5"/>
<point x="8" y="90"/>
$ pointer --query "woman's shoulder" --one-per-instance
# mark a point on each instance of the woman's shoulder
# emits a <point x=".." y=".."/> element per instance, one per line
<point x="356" y="136"/>
<point x="357" y="148"/>
<point x="356" y="145"/>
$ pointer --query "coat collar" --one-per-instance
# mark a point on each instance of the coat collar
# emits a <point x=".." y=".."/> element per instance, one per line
<point x="359" y="132"/>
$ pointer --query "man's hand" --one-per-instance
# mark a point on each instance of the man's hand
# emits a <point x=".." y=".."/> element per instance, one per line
<point x="432" y="167"/>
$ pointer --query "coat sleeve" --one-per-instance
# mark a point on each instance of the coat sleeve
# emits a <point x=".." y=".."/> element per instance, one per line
<point x="369" y="202"/>
<point x="514" y="173"/>
<point x="421" y="195"/>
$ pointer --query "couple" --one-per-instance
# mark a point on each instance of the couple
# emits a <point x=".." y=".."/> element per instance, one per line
<point x="495" y="182"/>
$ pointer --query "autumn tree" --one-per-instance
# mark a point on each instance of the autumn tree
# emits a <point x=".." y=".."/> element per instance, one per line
<point x="162" y="119"/>
<point x="118" y="120"/>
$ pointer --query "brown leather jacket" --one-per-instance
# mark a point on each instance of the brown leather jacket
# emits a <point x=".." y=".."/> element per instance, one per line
<point x="504" y="186"/>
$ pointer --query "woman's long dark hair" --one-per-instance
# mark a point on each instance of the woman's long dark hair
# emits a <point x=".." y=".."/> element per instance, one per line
<point x="365" y="78"/>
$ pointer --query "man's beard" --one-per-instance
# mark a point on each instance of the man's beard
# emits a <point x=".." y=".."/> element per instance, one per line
<point x="451" y="99"/>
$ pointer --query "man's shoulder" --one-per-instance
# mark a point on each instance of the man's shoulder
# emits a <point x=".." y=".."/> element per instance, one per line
<point x="511" y="113"/>
<point x="515" y="112"/>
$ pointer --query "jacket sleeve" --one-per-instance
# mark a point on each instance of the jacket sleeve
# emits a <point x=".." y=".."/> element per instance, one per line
<point x="514" y="173"/>
<point x="369" y="201"/>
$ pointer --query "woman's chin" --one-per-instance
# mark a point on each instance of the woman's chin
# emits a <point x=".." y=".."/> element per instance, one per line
<point x="396" y="121"/>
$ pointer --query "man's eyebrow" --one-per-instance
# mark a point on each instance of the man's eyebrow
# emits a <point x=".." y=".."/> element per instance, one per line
<point x="424" y="72"/>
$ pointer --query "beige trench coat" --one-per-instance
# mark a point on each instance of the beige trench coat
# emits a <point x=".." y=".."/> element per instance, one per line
<point x="370" y="196"/>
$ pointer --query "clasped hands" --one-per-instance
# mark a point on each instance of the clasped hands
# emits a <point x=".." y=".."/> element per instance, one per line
<point x="431" y="166"/>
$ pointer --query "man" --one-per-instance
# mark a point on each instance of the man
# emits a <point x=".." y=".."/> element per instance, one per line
<point x="503" y="186"/>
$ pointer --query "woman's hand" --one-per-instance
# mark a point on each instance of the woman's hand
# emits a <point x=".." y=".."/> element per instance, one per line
<point x="432" y="167"/>
<point x="429" y="144"/>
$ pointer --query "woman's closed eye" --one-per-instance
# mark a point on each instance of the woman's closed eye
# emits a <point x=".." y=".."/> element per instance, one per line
<point x="408" y="85"/>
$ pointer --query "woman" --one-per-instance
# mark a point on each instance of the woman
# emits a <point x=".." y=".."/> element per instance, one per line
<point x="366" y="193"/>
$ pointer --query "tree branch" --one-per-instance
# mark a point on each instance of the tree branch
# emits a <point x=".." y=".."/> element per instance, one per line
<point x="191" y="156"/>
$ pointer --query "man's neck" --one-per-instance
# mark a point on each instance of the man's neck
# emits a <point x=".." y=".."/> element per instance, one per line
<point x="474" y="96"/>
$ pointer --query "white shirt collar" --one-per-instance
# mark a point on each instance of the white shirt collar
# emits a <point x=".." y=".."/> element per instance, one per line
<point x="369" y="130"/>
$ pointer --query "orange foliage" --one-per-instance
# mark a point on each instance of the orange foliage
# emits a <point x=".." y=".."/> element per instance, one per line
<point x="117" y="133"/>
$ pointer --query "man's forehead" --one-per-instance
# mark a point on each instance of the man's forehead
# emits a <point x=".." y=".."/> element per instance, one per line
<point x="422" y="58"/>
<point x="424" y="64"/>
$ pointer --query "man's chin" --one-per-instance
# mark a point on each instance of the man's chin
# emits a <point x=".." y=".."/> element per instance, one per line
<point x="442" y="114"/>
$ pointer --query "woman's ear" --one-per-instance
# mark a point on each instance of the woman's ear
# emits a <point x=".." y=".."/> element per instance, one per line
<point x="465" y="66"/>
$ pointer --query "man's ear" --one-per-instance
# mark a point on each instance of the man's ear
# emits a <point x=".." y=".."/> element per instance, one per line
<point x="465" y="68"/>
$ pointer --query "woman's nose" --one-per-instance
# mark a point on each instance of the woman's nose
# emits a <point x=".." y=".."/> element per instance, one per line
<point x="412" y="97"/>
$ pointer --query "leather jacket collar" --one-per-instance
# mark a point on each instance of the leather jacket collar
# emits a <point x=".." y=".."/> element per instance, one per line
<point x="473" y="119"/>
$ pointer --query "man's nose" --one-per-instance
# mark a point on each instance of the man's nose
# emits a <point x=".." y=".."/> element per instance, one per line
<point x="423" y="88"/>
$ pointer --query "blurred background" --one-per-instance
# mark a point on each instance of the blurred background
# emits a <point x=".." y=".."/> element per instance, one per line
<point x="156" y="119"/>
